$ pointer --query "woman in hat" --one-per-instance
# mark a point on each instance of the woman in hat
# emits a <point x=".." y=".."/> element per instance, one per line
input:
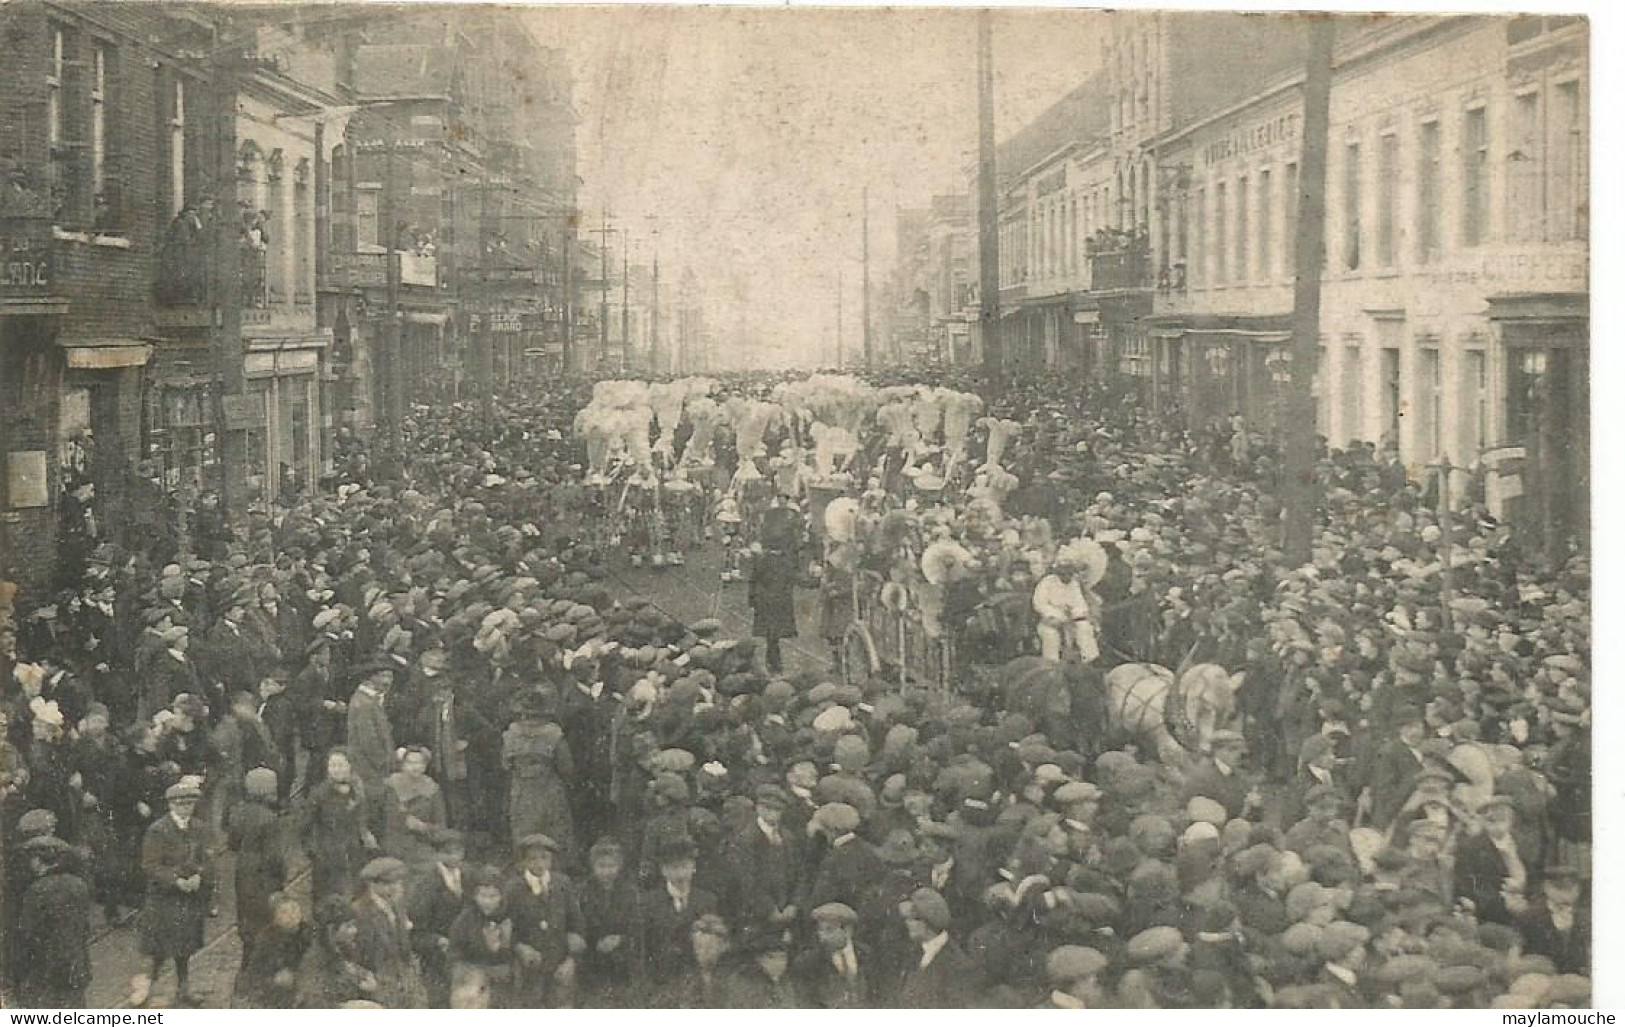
<point x="53" y="927"/>
<point x="414" y="809"/>
<point x="539" y="768"/>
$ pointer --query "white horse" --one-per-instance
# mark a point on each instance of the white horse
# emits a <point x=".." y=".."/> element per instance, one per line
<point x="1139" y="696"/>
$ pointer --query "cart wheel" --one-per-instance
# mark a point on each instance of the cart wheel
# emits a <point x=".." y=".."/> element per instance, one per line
<point x="859" y="660"/>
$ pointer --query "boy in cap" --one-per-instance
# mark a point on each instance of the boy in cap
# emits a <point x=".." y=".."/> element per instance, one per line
<point x="762" y="979"/>
<point x="766" y="861"/>
<point x="671" y="908"/>
<point x="940" y="975"/>
<point x="180" y="885"/>
<point x="370" y="739"/>
<point x="611" y="925"/>
<point x="383" y="941"/>
<point x="851" y="869"/>
<point x="707" y="986"/>
<point x="1558" y="923"/>
<point x="547" y="926"/>
<point x="837" y="973"/>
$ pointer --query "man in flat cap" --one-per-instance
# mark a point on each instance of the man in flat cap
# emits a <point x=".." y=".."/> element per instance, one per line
<point x="255" y="838"/>
<point x="180" y="886"/>
<point x="939" y="975"/>
<point x="1491" y="870"/>
<point x="1074" y="977"/>
<point x="547" y="926"/>
<point x="766" y="862"/>
<point x="837" y="972"/>
<point x="851" y="870"/>
<point x="384" y="938"/>
<point x="53" y="928"/>
<point x="1396" y="767"/>
<point x="762" y="978"/>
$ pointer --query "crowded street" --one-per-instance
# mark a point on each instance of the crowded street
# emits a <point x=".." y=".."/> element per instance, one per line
<point x="1112" y="602"/>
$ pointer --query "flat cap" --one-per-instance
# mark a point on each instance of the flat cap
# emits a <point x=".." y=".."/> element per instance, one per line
<point x="1074" y="792"/>
<point x="183" y="789"/>
<point x="260" y="781"/>
<point x="772" y="795"/>
<point x="36" y="822"/>
<point x="536" y="842"/>
<point x="1201" y="809"/>
<point x="837" y="817"/>
<point x="711" y="924"/>
<point x="384" y="870"/>
<point x="834" y="913"/>
<point x="928" y="905"/>
<point x="1073" y="963"/>
<point x="1340" y="938"/>
<point x="1154" y="943"/>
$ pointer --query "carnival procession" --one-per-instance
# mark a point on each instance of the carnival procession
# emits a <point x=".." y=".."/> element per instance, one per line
<point x="615" y="508"/>
<point x="1073" y="735"/>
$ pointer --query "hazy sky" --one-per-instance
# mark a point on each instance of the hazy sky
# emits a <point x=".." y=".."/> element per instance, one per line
<point x="746" y="136"/>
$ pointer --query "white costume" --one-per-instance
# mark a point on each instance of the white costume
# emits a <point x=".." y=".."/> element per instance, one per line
<point x="1063" y="606"/>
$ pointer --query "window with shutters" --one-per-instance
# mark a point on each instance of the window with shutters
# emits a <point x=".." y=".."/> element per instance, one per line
<point x="1221" y="234"/>
<point x="1568" y="165"/>
<point x="1289" y="222"/>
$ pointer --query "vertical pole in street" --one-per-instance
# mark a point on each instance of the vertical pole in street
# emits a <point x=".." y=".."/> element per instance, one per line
<point x="987" y="209"/>
<point x="626" y="306"/>
<point x="1447" y="539"/>
<point x="840" y="316"/>
<point x="1298" y="472"/>
<point x="228" y="289"/>
<point x="868" y="336"/>
<point x="603" y="290"/>
<point x="393" y="373"/>
<point x="656" y="357"/>
<point x="484" y="359"/>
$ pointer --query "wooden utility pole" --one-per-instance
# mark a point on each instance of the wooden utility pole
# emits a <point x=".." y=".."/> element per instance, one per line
<point x="987" y="210"/>
<point x="603" y="290"/>
<point x="840" y="315"/>
<point x="868" y="335"/>
<point x="626" y="306"/>
<point x="390" y="363"/>
<point x="656" y="357"/>
<point x="1299" y="492"/>
<point x="485" y="360"/>
<point x="228" y="289"/>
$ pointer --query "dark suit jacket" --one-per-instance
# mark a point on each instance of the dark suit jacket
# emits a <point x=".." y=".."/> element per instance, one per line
<point x="1570" y="950"/>
<point x="948" y="983"/>
<point x="667" y="945"/>
<point x="823" y="988"/>
<point x="384" y="946"/>
<point x="765" y="875"/>
<point x="543" y="921"/>
<point x="1393" y="778"/>
<point x="1480" y="873"/>
<point x="851" y="874"/>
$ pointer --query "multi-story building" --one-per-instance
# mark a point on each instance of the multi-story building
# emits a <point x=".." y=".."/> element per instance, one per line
<point x="1454" y="304"/>
<point x="949" y="269"/>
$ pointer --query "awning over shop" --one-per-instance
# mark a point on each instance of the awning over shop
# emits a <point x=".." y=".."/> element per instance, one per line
<point x="105" y="354"/>
<point x="424" y="317"/>
<point x="1540" y="307"/>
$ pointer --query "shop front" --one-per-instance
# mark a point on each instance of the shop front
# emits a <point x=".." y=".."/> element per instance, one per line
<point x="280" y="414"/>
<point x="1546" y="345"/>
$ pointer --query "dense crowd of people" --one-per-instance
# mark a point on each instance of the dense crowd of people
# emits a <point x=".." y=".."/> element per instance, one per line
<point x="513" y="784"/>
